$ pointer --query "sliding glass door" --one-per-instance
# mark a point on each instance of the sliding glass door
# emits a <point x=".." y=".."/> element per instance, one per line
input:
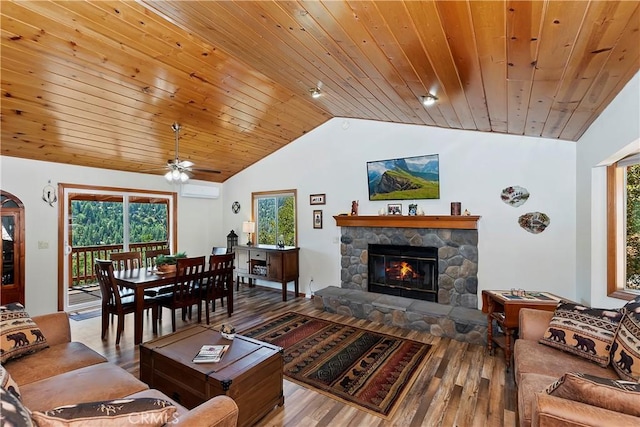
<point x="99" y="221"/>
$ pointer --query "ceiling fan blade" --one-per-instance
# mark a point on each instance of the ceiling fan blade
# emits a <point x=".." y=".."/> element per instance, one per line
<point x="205" y="170"/>
<point x="164" y="168"/>
<point x="181" y="166"/>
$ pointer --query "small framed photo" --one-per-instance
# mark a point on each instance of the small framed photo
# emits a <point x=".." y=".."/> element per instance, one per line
<point x="317" y="199"/>
<point x="317" y="219"/>
<point x="394" y="209"/>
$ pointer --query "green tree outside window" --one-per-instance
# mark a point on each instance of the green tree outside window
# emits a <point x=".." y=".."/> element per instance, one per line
<point x="275" y="216"/>
<point x="633" y="227"/>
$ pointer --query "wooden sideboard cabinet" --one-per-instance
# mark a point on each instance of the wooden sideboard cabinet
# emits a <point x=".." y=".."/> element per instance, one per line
<point x="268" y="262"/>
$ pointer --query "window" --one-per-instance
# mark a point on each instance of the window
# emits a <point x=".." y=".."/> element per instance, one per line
<point x="98" y="221"/>
<point x="623" y="227"/>
<point x="275" y="216"/>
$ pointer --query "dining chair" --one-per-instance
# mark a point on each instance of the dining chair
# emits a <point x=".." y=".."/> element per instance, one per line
<point x="217" y="250"/>
<point x="126" y="260"/>
<point x="217" y="282"/>
<point x="113" y="303"/>
<point x="151" y="255"/>
<point x="150" y="264"/>
<point x="186" y="288"/>
<point x="123" y="261"/>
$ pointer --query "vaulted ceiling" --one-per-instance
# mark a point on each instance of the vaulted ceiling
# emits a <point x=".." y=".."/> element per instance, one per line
<point x="99" y="83"/>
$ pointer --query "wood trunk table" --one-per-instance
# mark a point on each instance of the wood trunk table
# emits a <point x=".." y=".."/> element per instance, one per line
<point x="250" y="372"/>
<point x="504" y="308"/>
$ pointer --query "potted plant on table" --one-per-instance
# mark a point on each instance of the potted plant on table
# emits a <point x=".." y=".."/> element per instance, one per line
<point x="167" y="263"/>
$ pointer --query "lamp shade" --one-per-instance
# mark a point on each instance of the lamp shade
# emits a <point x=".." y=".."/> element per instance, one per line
<point x="248" y="227"/>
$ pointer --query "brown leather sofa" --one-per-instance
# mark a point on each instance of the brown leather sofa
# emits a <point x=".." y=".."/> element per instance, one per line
<point x="70" y="372"/>
<point x="537" y="366"/>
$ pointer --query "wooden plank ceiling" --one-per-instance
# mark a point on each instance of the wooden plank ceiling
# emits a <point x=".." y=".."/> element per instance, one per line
<point x="99" y="83"/>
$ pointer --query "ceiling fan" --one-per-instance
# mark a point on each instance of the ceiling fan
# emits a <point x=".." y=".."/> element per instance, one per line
<point x="180" y="170"/>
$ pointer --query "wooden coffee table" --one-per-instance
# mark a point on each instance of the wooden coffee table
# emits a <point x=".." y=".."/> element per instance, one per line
<point x="250" y="372"/>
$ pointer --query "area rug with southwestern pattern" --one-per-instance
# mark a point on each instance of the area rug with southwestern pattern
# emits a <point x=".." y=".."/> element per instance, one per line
<point x="369" y="369"/>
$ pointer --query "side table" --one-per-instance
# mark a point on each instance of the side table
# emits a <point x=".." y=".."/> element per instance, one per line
<point x="268" y="262"/>
<point x="503" y="308"/>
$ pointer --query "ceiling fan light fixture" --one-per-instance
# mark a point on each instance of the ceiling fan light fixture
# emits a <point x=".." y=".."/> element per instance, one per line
<point x="178" y="170"/>
<point x="315" y="92"/>
<point x="428" y="100"/>
<point x="176" y="175"/>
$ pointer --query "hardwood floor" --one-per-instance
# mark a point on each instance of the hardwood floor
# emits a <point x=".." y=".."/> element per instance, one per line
<point x="460" y="386"/>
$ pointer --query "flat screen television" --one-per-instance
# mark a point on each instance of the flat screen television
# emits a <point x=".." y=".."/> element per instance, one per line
<point x="408" y="178"/>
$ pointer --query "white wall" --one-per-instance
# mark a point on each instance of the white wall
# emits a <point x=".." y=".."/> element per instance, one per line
<point x="614" y="133"/>
<point x="199" y="220"/>
<point x="474" y="168"/>
<point x="563" y="179"/>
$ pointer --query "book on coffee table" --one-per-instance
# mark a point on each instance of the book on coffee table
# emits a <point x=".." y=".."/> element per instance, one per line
<point x="210" y="353"/>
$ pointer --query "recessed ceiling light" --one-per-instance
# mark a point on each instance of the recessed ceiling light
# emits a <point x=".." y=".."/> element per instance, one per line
<point x="428" y="100"/>
<point x="315" y="92"/>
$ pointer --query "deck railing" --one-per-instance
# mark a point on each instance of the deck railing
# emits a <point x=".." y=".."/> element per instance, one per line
<point x="83" y="258"/>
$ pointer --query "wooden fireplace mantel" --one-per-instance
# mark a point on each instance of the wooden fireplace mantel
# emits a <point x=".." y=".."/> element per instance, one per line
<point x="462" y="222"/>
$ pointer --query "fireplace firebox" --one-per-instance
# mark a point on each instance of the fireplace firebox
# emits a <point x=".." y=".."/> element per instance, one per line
<point x="407" y="271"/>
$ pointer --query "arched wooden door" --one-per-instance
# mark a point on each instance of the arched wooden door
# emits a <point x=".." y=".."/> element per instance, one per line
<point x="12" y="288"/>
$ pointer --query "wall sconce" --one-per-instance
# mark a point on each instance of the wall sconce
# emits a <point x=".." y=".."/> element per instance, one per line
<point x="428" y="100"/>
<point x="315" y="92"/>
<point x="249" y="227"/>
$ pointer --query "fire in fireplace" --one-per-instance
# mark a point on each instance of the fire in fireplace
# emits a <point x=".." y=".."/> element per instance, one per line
<point x="408" y="271"/>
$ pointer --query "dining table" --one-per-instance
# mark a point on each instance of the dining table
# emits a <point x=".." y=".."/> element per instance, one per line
<point x="139" y="279"/>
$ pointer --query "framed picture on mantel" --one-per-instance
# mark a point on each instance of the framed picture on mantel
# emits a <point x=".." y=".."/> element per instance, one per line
<point x="394" y="209"/>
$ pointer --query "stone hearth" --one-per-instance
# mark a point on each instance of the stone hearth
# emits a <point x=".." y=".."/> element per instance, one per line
<point x="458" y="323"/>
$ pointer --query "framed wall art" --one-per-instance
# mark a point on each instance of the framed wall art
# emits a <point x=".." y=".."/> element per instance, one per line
<point x="317" y="199"/>
<point x="408" y="178"/>
<point x="317" y="219"/>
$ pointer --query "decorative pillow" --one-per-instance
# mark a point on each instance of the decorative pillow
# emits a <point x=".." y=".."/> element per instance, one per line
<point x="7" y="383"/>
<point x="12" y="306"/>
<point x="615" y="395"/>
<point x="144" y="411"/>
<point x="631" y="305"/>
<point x="14" y="414"/>
<point x="583" y="331"/>
<point x="19" y="335"/>
<point x="625" y="350"/>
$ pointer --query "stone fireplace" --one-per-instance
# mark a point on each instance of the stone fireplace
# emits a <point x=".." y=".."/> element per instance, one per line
<point x="454" y="238"/>
<point x="452" y="244"/>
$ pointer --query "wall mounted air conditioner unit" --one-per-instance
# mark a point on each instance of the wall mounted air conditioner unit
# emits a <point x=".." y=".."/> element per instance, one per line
<point x="200" y="191"/>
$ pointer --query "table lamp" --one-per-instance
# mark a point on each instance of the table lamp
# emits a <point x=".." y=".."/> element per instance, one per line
<point x="249" y="227"/>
